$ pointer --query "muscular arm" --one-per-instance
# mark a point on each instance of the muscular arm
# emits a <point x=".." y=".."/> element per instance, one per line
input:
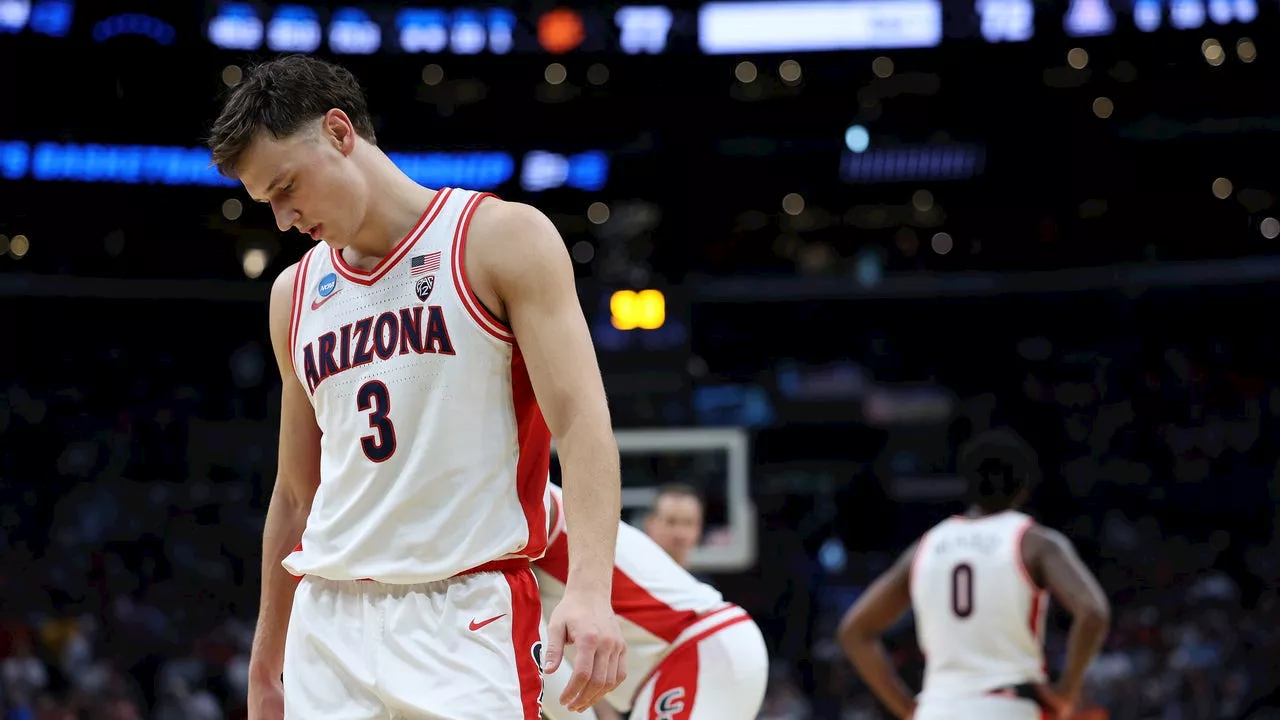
<point x="887" y="600"/>
<point x="517" y="254"/>
<point x="297" y="477"/>
<point x="1053" y="561"/>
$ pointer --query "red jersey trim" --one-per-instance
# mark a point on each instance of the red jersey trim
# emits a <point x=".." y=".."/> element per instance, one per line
<point x="457" y="260"/>
<point x="379" y="271"/>
<point x="295" y="312"/>
<point x="533" y="461"/>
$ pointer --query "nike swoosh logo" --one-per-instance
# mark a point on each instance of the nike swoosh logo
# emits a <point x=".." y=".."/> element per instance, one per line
<point x="477" y="625"/>
<point x="315" y="304"/>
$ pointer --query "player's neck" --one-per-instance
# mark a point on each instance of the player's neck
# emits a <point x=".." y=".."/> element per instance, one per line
<point x="396" y="205"/>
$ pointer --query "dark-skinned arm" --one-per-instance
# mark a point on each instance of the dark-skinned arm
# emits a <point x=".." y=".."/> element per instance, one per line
<point x="863" y="626"/>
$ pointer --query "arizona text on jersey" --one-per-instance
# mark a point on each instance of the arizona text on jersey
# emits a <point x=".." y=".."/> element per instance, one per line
<point x="434" y="452"/>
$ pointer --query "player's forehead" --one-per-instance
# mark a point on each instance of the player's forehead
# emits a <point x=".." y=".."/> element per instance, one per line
<point x="678" y="504"/>
<point x="268" y="160"/>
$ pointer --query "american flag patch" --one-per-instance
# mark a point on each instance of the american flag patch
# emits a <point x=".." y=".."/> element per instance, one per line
<point x="424" y="263"/>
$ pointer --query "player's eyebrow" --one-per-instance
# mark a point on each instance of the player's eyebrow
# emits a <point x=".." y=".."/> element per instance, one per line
<point x="271" y="187"/>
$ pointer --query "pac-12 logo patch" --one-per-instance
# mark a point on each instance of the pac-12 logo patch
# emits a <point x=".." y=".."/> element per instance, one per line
<point x="423" y="287"/>
<point x="327" y="285"/>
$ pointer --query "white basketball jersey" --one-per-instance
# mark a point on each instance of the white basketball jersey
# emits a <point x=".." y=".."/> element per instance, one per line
<point x="979" y="616"/>
<point x="434" y="453"/>
<point x="659" y="605"/>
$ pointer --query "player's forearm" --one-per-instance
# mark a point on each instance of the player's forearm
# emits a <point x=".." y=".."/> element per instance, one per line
<point x="281" y="533"/>
<point x="592" y="504"/>
<point x="1084" y="642"/>
<point x="872" y="662"/>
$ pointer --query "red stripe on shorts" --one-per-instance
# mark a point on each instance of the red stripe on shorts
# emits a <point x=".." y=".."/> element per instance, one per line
<point x="675" y="689"/>
<point x="526" y="613"/>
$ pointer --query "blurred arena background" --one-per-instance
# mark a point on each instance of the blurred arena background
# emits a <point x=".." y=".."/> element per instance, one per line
<point x="819" y="244"/>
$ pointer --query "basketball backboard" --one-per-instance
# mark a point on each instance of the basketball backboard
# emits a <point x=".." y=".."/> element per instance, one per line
<point x="712" y="460"/>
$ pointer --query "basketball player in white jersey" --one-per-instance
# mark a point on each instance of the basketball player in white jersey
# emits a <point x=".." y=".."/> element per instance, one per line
<point x="690" y="654"/>
<point x="979" y="586"/>
<point x="429" y="348"/>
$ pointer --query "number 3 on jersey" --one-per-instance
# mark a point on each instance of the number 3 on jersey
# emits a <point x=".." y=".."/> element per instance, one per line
<point x="373" y="398"/>
<point x="962" y="590"/>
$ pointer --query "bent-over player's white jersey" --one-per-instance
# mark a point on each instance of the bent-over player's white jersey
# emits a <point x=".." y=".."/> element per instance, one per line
<point x="659" y="605"/>
<point x="434" y="453"/>
<point x="979" y="616"/>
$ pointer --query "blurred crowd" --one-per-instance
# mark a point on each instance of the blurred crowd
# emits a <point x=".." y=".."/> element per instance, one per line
<point x="132" y="489"/>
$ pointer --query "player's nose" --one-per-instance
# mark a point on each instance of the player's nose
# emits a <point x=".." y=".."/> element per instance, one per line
<point x="285" y="217"/>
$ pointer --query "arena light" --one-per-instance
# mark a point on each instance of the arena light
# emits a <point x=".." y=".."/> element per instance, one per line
<point x="254" y="262"/>
<point x="148" y="26"/>
<point x="1089" y="18"/>
<point x="464" y="31"/>
<point x="19" y="246"/>
<point x="294" y="28"/>
<point x="14" y="15"/>
<point x="1006" y="20"/>
<point x="918" y="163"/>
<point x="352" y="32"/>
<point x="644" y="310"/>
<point x="643" y="29"/>
<point x="804" y="26"/>
<point x="857" y="139"/>
<point x="236" y="27"/>
<point x="46" y="17"/>
<point x="190" y="166"/>
<point x="561" y="30"/>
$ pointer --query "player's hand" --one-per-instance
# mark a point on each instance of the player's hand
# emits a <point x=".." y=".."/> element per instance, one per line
<point x="266" y="699"/>
<point x="585" y="620"/>
<point x="1060" y="703"/>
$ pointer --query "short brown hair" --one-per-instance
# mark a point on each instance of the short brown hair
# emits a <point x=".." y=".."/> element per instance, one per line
<point x="280" y="96"/>
<point x="679" y="489"/>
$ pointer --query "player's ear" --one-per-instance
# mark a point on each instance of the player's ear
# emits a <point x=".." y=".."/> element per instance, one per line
<point x="338" y="130"/>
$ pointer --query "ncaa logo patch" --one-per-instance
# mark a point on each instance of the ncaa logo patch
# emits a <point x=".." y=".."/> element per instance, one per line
<point x="327" y="285"/>
<point x="423" y="287"/>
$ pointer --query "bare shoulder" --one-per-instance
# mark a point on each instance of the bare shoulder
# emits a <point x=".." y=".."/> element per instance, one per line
<point x="514" y="249"/>
<point x="280" y="314"/>
<point x="1042" y="537"/>
<point x="908" y="556"/>
<point x="282" y="286"/>
<point x="512" y="234"/>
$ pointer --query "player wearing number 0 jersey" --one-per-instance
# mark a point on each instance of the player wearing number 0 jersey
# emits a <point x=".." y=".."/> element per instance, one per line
<point x="415" y="428"/>
<point x="979" y="587"/>
<point x="690" y="654"/>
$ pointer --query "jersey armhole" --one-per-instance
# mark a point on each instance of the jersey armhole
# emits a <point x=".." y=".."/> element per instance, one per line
<point x="558" y="529"/>
<point x="1021" y="560"/>
<point x="295" y="310"/>
<point x="457" y="260"/>
<point x="915" y="562"/>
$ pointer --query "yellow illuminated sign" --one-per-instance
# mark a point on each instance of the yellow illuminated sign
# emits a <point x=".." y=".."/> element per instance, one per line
<point x="646" y="310"/>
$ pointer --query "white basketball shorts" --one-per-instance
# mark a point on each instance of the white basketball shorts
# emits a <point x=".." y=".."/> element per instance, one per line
<point x="718" y="676"/>
<point x="982" y="707"/>
<point x="467" y="648"/>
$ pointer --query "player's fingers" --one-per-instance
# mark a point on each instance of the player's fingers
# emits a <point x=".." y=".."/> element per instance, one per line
<point x="575" y="695"/>
<point x="555" y="647"/>
<point x="605" y="678"/>
<point x="619" y="666"/>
